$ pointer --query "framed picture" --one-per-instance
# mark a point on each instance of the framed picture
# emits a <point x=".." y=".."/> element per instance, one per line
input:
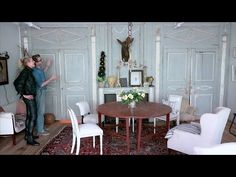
<point x="3" y="71"/>
<point x="233" y="73"/>
<point x="123" y="82"/>
<point x="135" y="78"/>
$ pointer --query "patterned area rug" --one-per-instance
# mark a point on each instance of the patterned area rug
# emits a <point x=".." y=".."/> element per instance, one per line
<point x="113" y="143"/>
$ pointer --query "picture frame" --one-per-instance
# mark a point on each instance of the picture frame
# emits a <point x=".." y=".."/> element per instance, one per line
<point x="123" y="82"/>
<point x="3" y="71"/>
<point x="233" y="73"/>
<point x="135" y="78"/>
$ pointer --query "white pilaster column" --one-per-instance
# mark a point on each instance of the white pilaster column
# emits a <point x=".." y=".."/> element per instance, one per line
<point x="158" y="58"/>
<point x="93" y="69"/>
<point x="222" y="76"/>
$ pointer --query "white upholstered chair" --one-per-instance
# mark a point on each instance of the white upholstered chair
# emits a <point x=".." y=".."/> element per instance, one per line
<point x="12" y="119"/>
<point x="83" y="131"/>
<point x="9" y="125"/>
<point x="85" y="113"/>
<point x="174" y="101"/>
<point x="212" y="126"/>
<point x="220" y="149"/>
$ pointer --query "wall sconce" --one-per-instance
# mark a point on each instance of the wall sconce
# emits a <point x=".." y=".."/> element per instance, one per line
<point x="5" y="55"/>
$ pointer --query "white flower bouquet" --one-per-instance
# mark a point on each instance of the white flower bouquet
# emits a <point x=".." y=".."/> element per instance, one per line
<point x="130" y="96"/>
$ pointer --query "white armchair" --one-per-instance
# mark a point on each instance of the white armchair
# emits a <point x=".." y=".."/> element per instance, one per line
<point x="12" y="120"/>
<point x="212" y="127"/>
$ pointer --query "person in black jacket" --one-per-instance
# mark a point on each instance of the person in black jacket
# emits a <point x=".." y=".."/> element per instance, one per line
<point x="25" y="85"/>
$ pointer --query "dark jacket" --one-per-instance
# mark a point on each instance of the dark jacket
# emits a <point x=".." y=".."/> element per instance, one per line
<point x="25" y="83"/>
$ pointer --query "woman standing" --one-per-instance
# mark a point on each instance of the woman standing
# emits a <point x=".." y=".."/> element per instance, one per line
<point x="25" y="85"/>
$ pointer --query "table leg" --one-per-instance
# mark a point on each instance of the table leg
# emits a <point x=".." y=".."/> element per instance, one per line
<point x="167" y="121"/>
<point x="139" y="129"/>
<point x="127" y="135"/>
<point x="99" y="119"/>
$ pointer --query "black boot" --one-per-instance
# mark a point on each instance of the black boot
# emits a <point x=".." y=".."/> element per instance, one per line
<point x="31" y="141"/>
<point x="34" y="137"/>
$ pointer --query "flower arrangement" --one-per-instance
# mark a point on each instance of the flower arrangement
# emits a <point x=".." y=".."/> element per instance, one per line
<point x="130" y="96"/>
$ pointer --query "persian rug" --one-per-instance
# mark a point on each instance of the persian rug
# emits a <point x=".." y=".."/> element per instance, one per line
<point x="113" y="143"/>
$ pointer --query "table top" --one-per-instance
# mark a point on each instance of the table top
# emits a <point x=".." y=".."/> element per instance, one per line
<point x="142" y="110"/>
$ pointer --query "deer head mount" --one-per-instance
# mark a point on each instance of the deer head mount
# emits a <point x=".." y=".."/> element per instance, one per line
<point x="125" y="45"/>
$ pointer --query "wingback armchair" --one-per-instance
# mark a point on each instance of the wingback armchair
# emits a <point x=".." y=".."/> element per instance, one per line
<point x="212" y="127"/>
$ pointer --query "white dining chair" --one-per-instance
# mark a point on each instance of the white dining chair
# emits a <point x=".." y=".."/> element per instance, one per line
<point x="84" y="131"/>
<point x="174" y="101"/>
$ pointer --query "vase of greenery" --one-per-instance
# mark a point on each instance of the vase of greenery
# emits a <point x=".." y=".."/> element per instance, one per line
<point x="101" y="81"/>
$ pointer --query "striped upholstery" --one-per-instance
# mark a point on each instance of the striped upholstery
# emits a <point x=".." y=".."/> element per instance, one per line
<point x="191" y="128"/>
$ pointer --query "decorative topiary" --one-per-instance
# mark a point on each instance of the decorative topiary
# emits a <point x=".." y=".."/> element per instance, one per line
<point x="101" y="71"/>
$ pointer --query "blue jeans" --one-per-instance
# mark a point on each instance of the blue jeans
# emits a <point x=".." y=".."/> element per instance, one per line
<point x="40" y="100"/>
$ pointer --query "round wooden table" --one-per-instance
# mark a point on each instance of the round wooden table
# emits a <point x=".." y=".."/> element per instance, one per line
<point x="143" y="110"/>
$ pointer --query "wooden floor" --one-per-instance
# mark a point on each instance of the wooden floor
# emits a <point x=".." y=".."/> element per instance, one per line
<point x="7" y="148"/>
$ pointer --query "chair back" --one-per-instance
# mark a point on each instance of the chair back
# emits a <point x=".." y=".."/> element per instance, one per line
<point x="213" y="125"/>
<point x="177" y="100"/>
<point x="74" y="121"/>
<point x="83" y="107"/>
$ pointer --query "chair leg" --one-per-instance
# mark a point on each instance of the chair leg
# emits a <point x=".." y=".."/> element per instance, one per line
<point x="133" y="125"/>
<point x="93" y="141"/>
<point x="101" y="144"/>
<point x="73" y="144"/>
<point x="154" y="125"/>
<point x="78" y="146"/>
<point x="177" y="121"/>
<point x="14" y="139"/>
<point x="117" y="124"/>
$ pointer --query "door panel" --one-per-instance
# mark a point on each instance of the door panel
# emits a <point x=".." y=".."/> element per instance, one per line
<point x="205" y="80"/>
<point x="75" y="86"/>
<point x="192" y="73"/>
<point x="175" y="71"/>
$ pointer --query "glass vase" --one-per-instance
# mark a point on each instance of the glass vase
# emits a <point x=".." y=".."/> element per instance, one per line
<point x="132" y="104"/>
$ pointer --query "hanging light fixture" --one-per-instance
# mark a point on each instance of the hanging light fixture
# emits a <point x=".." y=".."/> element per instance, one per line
<point x="30" y="24"/>
<point x="178" y="24"/>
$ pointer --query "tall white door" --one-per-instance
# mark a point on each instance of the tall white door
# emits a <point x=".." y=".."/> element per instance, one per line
<point x="75" y="79"/>
<point x="73" y="85"/>
<point x="70" y="50"/>
<point x="193" y="73"/>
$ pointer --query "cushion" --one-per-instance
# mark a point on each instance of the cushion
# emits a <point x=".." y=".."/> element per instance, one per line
<point x="1" y="109"/>
<point x="191" y="128"/>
